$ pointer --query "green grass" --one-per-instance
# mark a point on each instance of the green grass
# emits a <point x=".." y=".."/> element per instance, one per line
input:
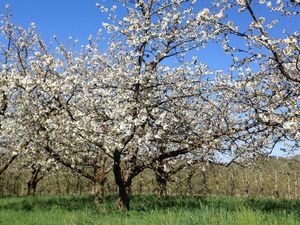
<point x="78" y="210"/>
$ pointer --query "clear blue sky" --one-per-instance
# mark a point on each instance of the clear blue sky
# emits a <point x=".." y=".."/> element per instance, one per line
<point x="80" y="18"/>
<point x="64" y="18"/>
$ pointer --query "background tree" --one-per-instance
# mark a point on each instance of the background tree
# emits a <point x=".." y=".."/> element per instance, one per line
<point x="266" y="65"/>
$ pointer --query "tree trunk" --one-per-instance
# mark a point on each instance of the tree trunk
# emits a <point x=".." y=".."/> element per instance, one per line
<point x="100" y="180"/>
<point x="232" y="183"/>
<point x="123" y="195"/>
<point x="276" y="186"/>
<point x="123" y="198"/>
<point x="295" y="186"/>
<point x="32" y="184"/>
<point x="204" y="188"/>
<point x="246" y="185"/>
<point x="98" y="193"/>
<point x="1" y="186"/>
<point x="161" y="185"/>
<point x="190" y="182"/>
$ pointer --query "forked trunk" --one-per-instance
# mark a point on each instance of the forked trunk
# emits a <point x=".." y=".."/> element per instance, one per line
<point x="32" y="183"/>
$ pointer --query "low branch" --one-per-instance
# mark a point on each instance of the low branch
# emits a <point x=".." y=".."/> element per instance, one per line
<point x="7" y="164"/>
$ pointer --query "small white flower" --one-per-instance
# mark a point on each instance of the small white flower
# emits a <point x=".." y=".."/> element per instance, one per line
<point x="37" y="54"/>
<point x="33" y="25"/>
<point x="14" y="153"/>
<point x="205" y="12"/>
<point x="289" y="125"/>
<point x="220" y="15"/>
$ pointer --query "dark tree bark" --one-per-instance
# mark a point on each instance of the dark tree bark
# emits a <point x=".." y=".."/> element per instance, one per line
<point x="189" y="181"/>
<point x="163" y="176"/>
<point x="34" y="180"/>
<point x="123" y="195"/>
<point x="161" y="185"/>
<point x="31" y="185"/>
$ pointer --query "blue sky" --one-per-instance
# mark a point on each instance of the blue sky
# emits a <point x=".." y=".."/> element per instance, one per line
<point x="81" y="18"/>
<point x="64" y="18"/>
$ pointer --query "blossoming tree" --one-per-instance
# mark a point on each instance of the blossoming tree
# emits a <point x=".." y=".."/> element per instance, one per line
<point x="146" y="101"/>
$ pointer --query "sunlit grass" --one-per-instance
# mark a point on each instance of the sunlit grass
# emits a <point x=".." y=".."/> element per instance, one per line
<point x="77" y="210"/>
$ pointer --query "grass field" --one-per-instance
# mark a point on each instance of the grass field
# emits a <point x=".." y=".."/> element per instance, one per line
<point x="78" y="210"/>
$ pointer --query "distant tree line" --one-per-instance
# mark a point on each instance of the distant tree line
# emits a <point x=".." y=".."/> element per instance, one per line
<point x="268" y="180"/>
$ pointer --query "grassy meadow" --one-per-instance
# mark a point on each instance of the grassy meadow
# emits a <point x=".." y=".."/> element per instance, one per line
<point x="80" y="210"/>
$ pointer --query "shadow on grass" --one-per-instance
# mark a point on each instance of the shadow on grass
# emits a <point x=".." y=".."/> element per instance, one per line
<point x="145" y="203"/>
<point x="68" y="203"/>
<point x="148" y="202"/>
